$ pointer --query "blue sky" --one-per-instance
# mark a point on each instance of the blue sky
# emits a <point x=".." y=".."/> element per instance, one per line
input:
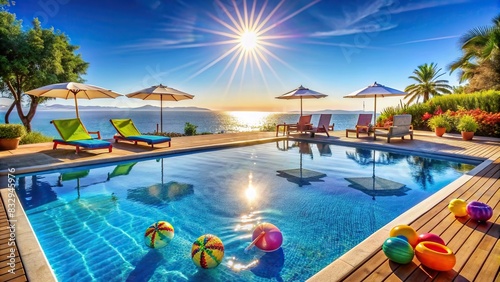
<point x="334" y="47"/>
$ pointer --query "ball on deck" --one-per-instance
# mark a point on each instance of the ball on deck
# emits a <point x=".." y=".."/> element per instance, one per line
<point x="458" y="207"/>
<point x="479" y="211"/>
<point x="406" y="231"/>
<point x="430" y="237"/>
<point x="269" y="237"/>
<point x="159" y="234"/>
<point x="207" y="251"/>
<point x="398" y="250"/>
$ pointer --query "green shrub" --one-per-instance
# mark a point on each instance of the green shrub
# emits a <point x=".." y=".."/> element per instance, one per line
<point x="467" y="123"/>
<point x="35" y="137"/>
<point x="439" y="121"/>
<point x="190" y="129"/>
<point x="268" y="127"/>
<point x="12" y="130"/>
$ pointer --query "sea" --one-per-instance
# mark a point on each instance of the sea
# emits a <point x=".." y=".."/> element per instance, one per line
<point x="214" y="122"/>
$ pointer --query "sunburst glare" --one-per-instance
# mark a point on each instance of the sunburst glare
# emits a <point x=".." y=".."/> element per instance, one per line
<point x="250" y="31"/>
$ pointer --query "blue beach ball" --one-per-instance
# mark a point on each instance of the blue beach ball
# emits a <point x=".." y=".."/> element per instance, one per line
<point x="398" y="250"/>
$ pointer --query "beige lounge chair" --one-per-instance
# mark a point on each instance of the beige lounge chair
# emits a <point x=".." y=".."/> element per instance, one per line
<point x="323" y="125"/>
<point x="362" y="126"/>
<point x="301" y="126"/>
<point x="401" y="127"/>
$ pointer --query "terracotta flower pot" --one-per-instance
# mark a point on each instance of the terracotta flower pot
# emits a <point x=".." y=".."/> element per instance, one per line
<point x="9" y="143"/>
<point x="440" y="131"/>
<point x="467" y="135"/>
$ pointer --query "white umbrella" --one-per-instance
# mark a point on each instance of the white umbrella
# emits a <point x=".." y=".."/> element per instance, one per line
<point x="162" y="93"/>
<point x="301" y="93"/>
<point x="73" y="90"/>
<point x="375" y="90"/>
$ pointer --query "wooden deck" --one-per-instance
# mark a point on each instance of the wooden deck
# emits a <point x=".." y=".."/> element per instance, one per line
<point x="7" y="272"/>
<point x="476" y="246"/>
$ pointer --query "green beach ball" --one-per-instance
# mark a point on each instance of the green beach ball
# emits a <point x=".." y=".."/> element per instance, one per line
<point x="398" y="250"/>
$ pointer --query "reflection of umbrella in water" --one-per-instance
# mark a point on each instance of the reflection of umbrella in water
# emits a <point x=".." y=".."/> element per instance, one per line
<point x="160" y="193"/>
<point x="302" y="176"/>
<point x="75" y="175"/>
<point x="374" y="185"/>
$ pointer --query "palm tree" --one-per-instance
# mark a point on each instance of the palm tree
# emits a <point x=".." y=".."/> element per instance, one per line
<point x="428" y="84"/>
<point x="478" y="45"/>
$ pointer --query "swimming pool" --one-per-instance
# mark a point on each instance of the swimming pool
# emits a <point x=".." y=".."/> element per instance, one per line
<point x="90" y="221"/>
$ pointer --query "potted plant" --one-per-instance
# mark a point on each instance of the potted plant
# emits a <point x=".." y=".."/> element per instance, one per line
<point x="467" y="125"/>
<point x="440" y="124"/>
<point x="10" y="134"/>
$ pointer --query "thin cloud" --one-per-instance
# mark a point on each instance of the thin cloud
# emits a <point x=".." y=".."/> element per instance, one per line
<point x="366" y="18"/>
<point x="424" y="5"/>
<point x="356" y="30"/>
<point x="427" y="39"/>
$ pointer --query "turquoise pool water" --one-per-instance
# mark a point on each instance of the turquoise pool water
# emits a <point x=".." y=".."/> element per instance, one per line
<point x="90" y="221"/>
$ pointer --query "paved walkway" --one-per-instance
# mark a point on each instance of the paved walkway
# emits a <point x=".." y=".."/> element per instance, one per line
<point x="31" y="158"/>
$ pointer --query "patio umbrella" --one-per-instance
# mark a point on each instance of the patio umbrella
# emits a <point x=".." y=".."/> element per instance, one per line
<point x="375" y="90"/>
<point x="73" y="90"/>
<point x="302" y="93"/>
<point x="302" y="176"/>
<point x="374" y="185"/>
<point x="161" y="93"/>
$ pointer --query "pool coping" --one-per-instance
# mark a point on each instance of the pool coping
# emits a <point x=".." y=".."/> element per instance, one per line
<point x="37" y="265"/>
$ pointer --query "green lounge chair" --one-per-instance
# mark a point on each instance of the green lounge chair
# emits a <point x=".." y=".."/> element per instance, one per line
<point x="74" y="133"/>
<point x="128" y="132"/>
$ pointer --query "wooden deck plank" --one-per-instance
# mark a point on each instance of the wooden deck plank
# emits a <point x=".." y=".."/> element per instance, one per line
<point x="481" y="253"/>
<point x="491" y="265"/>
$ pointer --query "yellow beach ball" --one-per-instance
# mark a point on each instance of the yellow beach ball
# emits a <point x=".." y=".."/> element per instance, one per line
<point x="207" y="251"/>
<point x="405" y="231"/>
<point x="158" y="234"/>
<point x="458" y="207"/>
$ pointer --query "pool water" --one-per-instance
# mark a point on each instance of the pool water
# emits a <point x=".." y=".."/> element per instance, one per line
<point x="91" y="221"/>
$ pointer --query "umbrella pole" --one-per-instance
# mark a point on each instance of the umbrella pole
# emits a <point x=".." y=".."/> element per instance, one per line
<point x="300" y="105"/>
<point x="161" y="113"/>
<point x="76" y="105"/>
<point x="375" y="112"/>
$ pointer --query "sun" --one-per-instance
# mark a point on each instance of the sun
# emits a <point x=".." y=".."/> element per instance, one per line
<point x="249" y="40"/>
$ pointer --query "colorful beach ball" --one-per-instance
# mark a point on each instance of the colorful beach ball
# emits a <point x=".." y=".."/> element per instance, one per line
<point x="159" y="234"/>
<point x="267" y="237"/>
<point x="207" y="251"/>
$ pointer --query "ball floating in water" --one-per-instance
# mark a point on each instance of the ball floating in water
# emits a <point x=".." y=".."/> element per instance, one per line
<point x="430" y="237"/>
<point x="435" y="256"/>
<point x="159" y="234"/>
<point x="479" y="211"/>
<point x="207" y="251"/>
<point x="458" y="207"/>
<point x="406" y="231"/>
<point x="398" y="250"/>
<point x="267" y="237"/>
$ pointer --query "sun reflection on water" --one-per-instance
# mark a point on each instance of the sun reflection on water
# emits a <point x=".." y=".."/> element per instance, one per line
<point x="248" y="121"/>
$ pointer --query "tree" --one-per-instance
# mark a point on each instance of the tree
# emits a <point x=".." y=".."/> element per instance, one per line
<point x="33" y="58"/>
<point x="480" y="60"/>
<point x="428" y="84"/>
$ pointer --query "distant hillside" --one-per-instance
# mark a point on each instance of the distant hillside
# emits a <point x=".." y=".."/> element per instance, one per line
<point x="59" y="107"/>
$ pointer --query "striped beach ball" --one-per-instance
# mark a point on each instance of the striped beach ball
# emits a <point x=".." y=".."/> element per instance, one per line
<point x="207" y="251"/>
<point x="159" y="234"/>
